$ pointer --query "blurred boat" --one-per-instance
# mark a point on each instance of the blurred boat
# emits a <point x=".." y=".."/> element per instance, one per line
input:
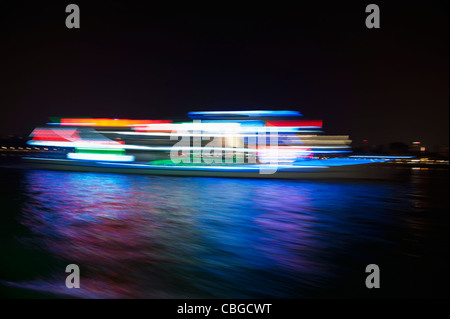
<point x="255" y="144"/>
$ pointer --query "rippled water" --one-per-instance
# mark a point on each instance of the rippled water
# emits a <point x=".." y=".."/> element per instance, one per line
<point x="187" y="237"/>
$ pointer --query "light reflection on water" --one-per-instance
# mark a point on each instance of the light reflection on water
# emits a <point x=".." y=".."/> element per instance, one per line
<point x="179" y="237"/>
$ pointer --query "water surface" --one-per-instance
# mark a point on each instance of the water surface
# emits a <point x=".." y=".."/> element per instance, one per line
<point x="189" y="237"/>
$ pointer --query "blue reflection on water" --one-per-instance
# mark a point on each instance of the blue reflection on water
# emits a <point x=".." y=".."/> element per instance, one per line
<point x="188" y="237"/>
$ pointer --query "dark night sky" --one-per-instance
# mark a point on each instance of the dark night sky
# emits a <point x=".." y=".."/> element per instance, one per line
<point x="134" y="61"/>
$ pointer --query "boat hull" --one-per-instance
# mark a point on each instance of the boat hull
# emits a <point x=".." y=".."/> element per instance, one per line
<point x="361" y="171"/>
